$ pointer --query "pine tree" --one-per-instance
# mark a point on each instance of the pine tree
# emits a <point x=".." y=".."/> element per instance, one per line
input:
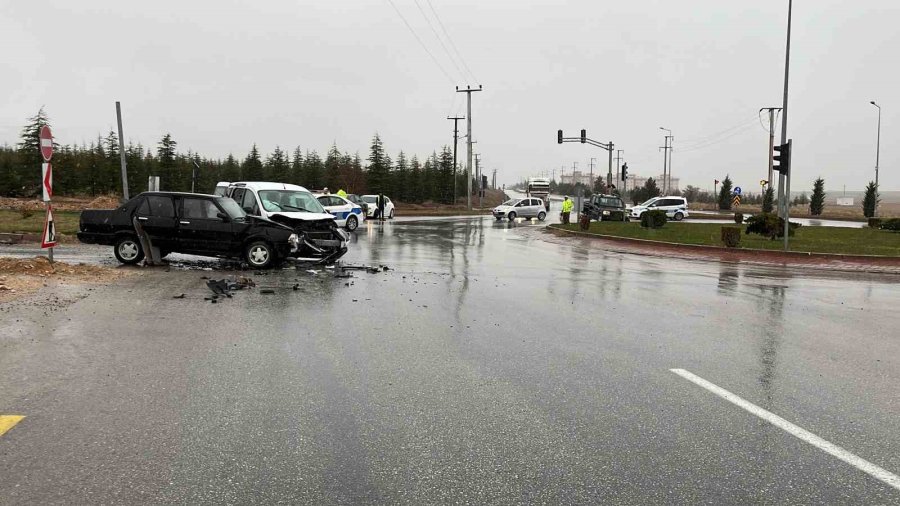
<point x="252" y="167"/>
<point x="28" y="172"/>
<point x="313" y="169"/>
<point x="650" y="189"/>
<point x="378" y="170"/>
<point x="415" y="180"/>
<point x="768" y="203"/>
<point x="401" y="179"/>
<point x="332" y="168"/>
<point x="277" y="167"/>
<point x="817" y="202"/>
<point x="725" y="194"/>
<point x="296" y="176"/>
<point x="165" y="156"/>
<point x="870" y="200"/>
<point x="231" y="169"/>
<point x="445" y="176"/>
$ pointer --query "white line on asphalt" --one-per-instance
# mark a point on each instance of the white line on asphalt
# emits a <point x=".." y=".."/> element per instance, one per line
<point x="826" y="446"/>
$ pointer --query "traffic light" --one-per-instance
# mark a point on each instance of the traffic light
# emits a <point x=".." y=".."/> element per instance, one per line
<point x="624" y="171"/>
<point x="782" y="158"/>
<point x="583" y="136"/>
<point x="559" y="136"/>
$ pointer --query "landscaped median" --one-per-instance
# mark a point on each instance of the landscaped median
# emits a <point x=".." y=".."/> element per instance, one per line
<point x="828" y="240"/>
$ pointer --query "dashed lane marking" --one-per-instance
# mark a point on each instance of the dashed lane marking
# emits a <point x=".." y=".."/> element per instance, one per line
<point x="8" y="422"/>
<point x="828" y="447"/>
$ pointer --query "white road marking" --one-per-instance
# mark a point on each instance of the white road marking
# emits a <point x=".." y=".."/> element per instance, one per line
<point x="826" y="446"/>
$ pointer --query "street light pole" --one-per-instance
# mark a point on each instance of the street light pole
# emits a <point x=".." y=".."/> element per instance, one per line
<point x="877" y="153"/>
<point x="786" y="178"/>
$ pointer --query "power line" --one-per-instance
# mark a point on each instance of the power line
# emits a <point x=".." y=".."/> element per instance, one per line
<point x="450" y="40"/>
<point x="413" y="32"/>
<point x="713" y="142"/>
<point x="703" y="140"/>
<point x="438" y="37"/>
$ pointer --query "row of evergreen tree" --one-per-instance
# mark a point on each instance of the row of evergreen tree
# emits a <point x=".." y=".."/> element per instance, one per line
<point x="94" y="169"/>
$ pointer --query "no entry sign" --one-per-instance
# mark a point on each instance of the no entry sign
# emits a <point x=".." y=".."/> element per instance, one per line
<point x="46" y="143"/>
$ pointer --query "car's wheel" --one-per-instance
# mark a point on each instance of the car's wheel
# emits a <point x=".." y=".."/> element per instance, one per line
<point x="352" y="223"/>
<point x="512" y="216"/>
<point x="259" y="255"/>
<point x="541" y="216"/>
<point x="391" y="216"/>
<point x="128" y="250"/>
<point x="679" y="216"/>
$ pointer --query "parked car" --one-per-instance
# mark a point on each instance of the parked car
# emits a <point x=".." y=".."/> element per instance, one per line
<point x="356" y="199"/>
<point x="190" y="223"/>
<point x="601" y="207"/>
<point x="297" y="208"/>
<point x="372" y="200"/>
<point x="520" y="208"/>
<point x="675" y="207"/>
<point x="346" y="214"/>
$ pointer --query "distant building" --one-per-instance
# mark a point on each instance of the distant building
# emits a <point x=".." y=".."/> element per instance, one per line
<point x="845" y="201"/>
<point x="576" y="177"/>
<point x="638" y="181"/>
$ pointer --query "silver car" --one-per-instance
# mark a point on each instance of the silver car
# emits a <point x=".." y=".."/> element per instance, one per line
<point x="520" y="208"/>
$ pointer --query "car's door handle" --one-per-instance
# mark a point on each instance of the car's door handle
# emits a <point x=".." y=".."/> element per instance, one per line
<point x="142" y="218"/>
<point x="185" y="222"/>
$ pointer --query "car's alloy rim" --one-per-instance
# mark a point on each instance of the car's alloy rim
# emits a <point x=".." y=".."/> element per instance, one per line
<point x="259" y="255"/>
<point x="128" y="250"/>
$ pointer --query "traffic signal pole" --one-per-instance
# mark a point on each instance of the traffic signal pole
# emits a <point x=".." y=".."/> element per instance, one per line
<point x="786" y="176"/>
<point x="585" y="140"/>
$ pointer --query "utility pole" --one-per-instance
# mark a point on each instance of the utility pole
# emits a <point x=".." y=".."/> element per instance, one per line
<point x="468" y="91"/>
<point x="591" y="186"/>
<point x="609" y="169"/>
<point x="785" y="179"/>
<point x="667" y="157"/>
<point x="771" y="139"/>
<point x="122" y="152"/>
<point x="478" y="179"/>
<point x="455" y="142"/>
<point x="494" y="180"/>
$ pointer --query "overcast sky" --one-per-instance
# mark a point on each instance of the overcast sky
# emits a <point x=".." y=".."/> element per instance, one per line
<point x="221" y="75"/>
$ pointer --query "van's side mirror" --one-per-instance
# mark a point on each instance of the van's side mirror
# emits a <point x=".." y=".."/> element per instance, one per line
<point x="248" y="210"/>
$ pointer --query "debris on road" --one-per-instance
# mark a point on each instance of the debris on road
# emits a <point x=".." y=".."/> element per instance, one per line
<point x="267" y="291"/>
<point x="224" y="287"/>
<point x="181" y="296"/>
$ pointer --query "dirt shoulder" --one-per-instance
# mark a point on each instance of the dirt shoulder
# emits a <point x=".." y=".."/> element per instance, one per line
<point x="835" y="262"/>
<point x="23" y="276"/>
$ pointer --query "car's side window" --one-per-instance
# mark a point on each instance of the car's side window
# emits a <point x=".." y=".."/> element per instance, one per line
<point x="143" y="209"/>
<point x="161" y="206"/>
<point x="199" y="209"/>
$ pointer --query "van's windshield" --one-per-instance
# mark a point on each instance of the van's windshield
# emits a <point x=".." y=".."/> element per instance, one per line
<point x="290" y="201"/>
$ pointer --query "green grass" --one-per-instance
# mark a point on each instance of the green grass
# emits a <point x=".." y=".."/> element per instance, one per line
<point x="849" y="241"/>
<point x="13" y="221"/>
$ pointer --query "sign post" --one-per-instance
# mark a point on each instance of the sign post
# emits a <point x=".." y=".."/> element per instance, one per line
<point x="48" y="238"/>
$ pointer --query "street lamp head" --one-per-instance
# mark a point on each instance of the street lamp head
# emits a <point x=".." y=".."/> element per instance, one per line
<point x="872" y="102"/>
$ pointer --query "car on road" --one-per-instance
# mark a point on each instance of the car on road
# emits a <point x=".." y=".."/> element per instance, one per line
<point x="675" y="207"/>
<point x="296" y="207"/>
<point x="191" y="223"/>
<point x="356" y="199"/>
<point x="346" y="214"/>
<point x="603" y="207"/>
<point x="372" y="201"/>
<point x="528" y="208"/>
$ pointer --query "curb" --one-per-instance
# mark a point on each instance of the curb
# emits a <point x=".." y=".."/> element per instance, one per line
<point x="874" y="260"/>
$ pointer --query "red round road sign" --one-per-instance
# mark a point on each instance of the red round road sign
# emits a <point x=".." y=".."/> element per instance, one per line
<point x="46" y="143"/>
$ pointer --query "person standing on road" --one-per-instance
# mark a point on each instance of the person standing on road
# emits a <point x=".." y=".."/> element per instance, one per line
<point x="341" y="193"/>
<point x="381" y="206"/>
<point x="567" y="206"/>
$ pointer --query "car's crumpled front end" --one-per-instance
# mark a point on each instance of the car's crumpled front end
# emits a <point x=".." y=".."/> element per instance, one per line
<point x="318" y="240"/>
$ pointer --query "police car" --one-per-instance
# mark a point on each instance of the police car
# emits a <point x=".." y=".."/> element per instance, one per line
<point x="346" y="213"/>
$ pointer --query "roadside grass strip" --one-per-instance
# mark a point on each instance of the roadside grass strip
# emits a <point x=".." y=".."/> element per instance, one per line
<point x="8" y="422"/>
<point x="828" y="447"/>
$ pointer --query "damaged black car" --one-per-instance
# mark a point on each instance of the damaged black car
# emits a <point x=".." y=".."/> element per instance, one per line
<point x="188" y="223"/>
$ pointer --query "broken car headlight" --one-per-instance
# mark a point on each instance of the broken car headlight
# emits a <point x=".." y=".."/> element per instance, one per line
<point x="294" y="241"/>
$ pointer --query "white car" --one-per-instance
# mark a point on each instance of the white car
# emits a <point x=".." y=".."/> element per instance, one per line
<point x="372" y="200"/>
<point x="295" y="207"/>
<point x="675" y="207"/>
<point x="520" y="208"/>
<point x="346" y="213"/>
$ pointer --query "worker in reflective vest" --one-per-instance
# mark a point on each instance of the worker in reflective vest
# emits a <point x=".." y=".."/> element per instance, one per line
<point x="567" y="206"/>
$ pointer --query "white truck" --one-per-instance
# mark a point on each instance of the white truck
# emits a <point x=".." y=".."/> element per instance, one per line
<point x="539" y="187"/>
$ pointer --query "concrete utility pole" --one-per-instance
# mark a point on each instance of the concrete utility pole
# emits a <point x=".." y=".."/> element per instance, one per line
<point x="609" y="170"/>
<point x="478" y="178"/>
<point x="667" y="146"/>
<point x="771" y="140"/>
<point x="877" y="153"/>
<point x="468" y="91"/>
<point x="455" y="142"/>
<point x="785" y="179"/>
<point x="122" y="152"/>
<point x="494" y="180"/>
<point x="591" y="186"/>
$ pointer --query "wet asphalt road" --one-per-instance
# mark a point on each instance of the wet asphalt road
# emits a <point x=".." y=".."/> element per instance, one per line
<point x="492" y="364"/>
